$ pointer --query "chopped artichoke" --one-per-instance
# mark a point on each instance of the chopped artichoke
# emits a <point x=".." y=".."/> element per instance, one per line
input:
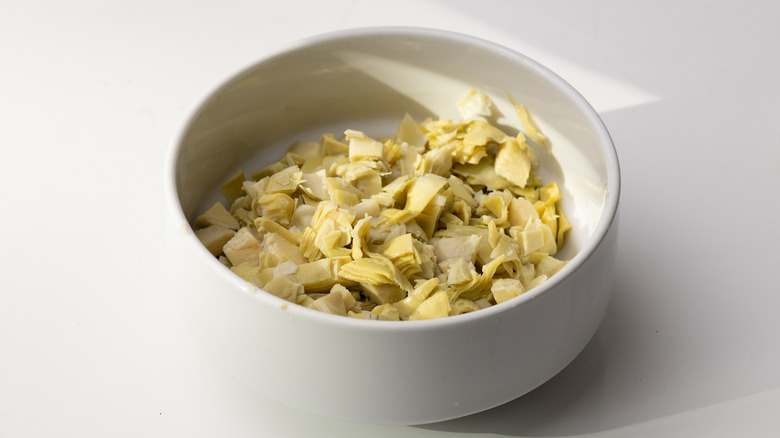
<point x="243" y="247"/>
<point x="513" y="162"/>
<point x="214" y="237"/>
<point x="473" y="105"/>
<point x="232" y="189"/>
<point x="442" y="219"/>
<point x="218" y="215"/>
<point x="504" y="289"/>
<point x="529" y="124"/>
<point x="437" y="306"/>
<point x="409" y="132"/>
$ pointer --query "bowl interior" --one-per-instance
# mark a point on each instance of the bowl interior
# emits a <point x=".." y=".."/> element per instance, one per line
<point x="368" y="81"/>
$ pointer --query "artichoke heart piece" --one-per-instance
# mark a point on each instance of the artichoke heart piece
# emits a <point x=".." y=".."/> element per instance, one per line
<point x="482" y="173"/>
<point x="285" y="181"/>
<point x="404" y="252"/>
<point x="409" y="132"/>
<point x="529" y="124"/>
<point x="474" y="105"/>
<point x="338" y="302"/>
<point x="362" y="147"/>
<point x="277" y="207"/>
<point x="513" y="161"/>
<point x="383" y="293"/>
<point x="331" y="146"/>
<point x="218" y="215"/>
<point x="464" y="247"/>
<point x="284" y="287"/>
<point x="233" y="188"/>
<point x="504" y="289"/>
<point x="374" y="270"/>
<point x="423" y="190"/>
<point x="408" y="305"/>
<point x="243" y="247"/>
<point x="214" y="237"/>
<point x="320" y="276"/>
<point x="282" y="248"/>
<point x="436" y="306"/>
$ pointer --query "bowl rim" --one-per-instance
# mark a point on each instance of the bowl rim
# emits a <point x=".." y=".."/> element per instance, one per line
<point x="609" y="216"/>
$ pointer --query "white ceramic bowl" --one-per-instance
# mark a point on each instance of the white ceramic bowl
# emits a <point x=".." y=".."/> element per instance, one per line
<point x="376" y="371"/>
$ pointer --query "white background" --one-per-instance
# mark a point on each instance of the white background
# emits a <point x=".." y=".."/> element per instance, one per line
<point x="93" y="95"/>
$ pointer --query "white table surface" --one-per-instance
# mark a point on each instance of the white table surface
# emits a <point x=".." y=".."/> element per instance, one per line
<point x="92" y="94"/>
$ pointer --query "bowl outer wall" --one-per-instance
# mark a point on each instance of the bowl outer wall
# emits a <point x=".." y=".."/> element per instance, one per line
<point x="405" y="373"/>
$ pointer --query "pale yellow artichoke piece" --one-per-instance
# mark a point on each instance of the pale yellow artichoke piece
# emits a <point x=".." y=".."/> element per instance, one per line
<point x="332" y="240"/>
<point x="233" y="188"/>
<point x="374" y="270"/>
<point x="367" y="207"/>
<point x="383" y="293"/>
<point x="342" y="192"/>
<point x="394" y="192"/>
<point x="437" y="161"/>
<point x="284" y="287"/>
<point x="532" y="237"/>
<point x="423" y="189"/>
<point x="428" y="218"/>
<point x="462" y="305"/>
<point x="315" y="185"/>
<point x="439" y="132"/>
<point x="243" y="247"/>
<point x="409" y="132"/>
<point x="424" y="289"/>
<point x="480" y="133"/>
<point x="308" y="245"/>
<point x="305" y="148"/>
<point x="476" y="104"/>
<point x="480" y="287"/>
<point x="436" y="306"/>
<point x="459" y="271"/>
<point x="563" y="226"/>
<point x="549" y="265"/>
<point x="321" y="275"/>
<point x="285" y="268"/>
<point x="246" y="271"/>
<point x="550" y="219"/>
<point x="301" y="218"/>
<point x="464" y="247"/>
<point x="403" y="252"/>
<point x="360" y="235"/>
<point x="537" y="281"/>
<point x="214" y="237"/>
<point x="496" y="206"/>
<point x="521" y="211"/>
<point x="331" y="146"/>
<point x="269" y="170"/>
<point x="428" y="266"/>
<point x="285" y="181"/>
<point x="337" y="302"/>
<point x="529" y="124"/>
<point x="504" y="289"/>
<point x="277" y="207"/>
<point x="482" y="173"/>
<point x="362" y="147"/>
<point x="462" y="192"/>
<point x="369" y="185"/>
<point x="282" y="248"/>
<point x="513" y="162"/>
<point x="385" y="312"/>
<point x="217" y="215"/>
